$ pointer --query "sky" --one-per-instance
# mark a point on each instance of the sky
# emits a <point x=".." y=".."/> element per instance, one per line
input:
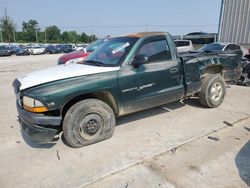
<point x="113" y="17"/>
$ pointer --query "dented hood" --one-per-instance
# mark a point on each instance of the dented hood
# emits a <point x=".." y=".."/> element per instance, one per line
<point x="60" y="72"/>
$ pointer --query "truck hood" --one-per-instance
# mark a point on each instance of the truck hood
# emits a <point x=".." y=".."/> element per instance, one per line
<point x="60" y="72"/>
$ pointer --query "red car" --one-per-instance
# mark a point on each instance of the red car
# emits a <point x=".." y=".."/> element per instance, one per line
<point x="75" y="57"/>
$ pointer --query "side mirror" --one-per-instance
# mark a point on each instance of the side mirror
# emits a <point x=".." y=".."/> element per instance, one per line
<point x="139" y="60"/>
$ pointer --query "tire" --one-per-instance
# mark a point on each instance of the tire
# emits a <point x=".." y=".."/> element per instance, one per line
<point x="213" y="90"/>
<point x="87" y="122"/>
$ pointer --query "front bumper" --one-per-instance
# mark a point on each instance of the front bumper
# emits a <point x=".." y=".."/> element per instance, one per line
<point x="5" y="53"/>
<point x="38" y="127"/>
<point x="61" y="62"/>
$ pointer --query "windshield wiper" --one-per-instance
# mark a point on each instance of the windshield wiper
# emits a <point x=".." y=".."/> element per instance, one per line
<point x="98" y="63"/>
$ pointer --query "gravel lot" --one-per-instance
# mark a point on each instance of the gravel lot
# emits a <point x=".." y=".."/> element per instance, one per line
<point x="180" y="144"/>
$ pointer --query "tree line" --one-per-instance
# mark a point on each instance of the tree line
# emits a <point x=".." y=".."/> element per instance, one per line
<point x="32" y="33"/>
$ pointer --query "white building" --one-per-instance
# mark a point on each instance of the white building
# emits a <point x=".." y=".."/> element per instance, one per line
<point x="234" y="25"/>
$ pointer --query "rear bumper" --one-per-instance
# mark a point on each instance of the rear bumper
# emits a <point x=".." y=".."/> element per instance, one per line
<point x="232" y="75"/>
<point x="38" y="127"/>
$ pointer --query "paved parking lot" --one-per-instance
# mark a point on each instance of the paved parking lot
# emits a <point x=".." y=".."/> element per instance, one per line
<point x="180" y="144"/>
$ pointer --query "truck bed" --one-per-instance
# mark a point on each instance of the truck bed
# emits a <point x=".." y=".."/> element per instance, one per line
<point x="195" y="63"/>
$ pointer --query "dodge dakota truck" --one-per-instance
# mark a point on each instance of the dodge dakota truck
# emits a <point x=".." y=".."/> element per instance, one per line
<point x="124" y="75"/>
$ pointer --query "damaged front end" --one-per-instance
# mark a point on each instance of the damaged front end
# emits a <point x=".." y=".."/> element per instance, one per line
<point x="36" y="126"/>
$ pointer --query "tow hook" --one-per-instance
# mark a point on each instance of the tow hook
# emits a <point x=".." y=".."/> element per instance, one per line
<point x="18" y="119"/>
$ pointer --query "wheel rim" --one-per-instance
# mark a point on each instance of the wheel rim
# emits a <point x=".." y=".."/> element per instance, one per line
<point x="216" y="91"/>
<point x="90" y="126"/>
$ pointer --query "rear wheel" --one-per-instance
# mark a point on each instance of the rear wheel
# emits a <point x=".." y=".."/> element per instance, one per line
<point x="87" y="122"/>
<point x="213" y="90"/>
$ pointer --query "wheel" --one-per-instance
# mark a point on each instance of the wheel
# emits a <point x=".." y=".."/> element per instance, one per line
<point x="213" y="90"/>
<point x="87" y="122"/>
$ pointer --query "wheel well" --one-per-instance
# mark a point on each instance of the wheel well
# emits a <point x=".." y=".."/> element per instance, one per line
<point x="215" y="69"/>
<point x="104" y="96"/>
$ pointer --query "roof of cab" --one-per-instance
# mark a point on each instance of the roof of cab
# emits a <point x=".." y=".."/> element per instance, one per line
<point x="143" y="34"/>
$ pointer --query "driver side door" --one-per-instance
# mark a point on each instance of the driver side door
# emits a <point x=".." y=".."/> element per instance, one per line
<point x="156" y="82"/>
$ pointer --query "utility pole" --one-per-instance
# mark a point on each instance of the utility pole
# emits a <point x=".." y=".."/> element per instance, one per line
<point x="1" y="35"/>
<point x="6" y="20"/>
<point x="14" y="36"/>
<point x="92" y="35"/>
<point x="36" y="36"/>
<point x="45" y="36"/>
<point x="6" y="17"/>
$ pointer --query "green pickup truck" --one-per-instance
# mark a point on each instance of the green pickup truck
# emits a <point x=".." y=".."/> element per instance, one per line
<point x="124" y="75"/>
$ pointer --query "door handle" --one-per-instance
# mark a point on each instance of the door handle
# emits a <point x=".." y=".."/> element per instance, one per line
<point x="174" y="70"/>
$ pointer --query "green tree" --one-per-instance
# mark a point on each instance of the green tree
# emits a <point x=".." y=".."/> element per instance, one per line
<point x="32" y="33"/>
<point x="30" y="30"/>
<point x="85" y="38"/>
<point x="65" y="37"/>
<point x="53" y="34"/>
<point x="74" y="37"/>
<point x="92" y="38"/>
<point x="41" y="37"/>
<point x="8" y="29"/>
<point x="20" y="37"/>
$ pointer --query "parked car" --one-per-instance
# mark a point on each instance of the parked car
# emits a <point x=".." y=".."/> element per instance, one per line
<point x="35" y="50"/>
<point x="78" y="56"/>
<point x="247" y="56"/>
<point x="245" y="51"/>
<point x="51" y="49"/>
<point x="23" y="51"/>
<point x="200" y="37"/>
<point x="124" y="75"/>
<point x="67" y="48"/>
<point x="184" y="46"/>
<point x="219" y="46"/>
<point x="81" y="47"/>
<point x="13" y="49"/>
<point x="5" y="51"/>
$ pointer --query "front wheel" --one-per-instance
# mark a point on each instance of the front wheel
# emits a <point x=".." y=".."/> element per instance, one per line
<point x="87" y="122"/>
<point x="213" y="90"/>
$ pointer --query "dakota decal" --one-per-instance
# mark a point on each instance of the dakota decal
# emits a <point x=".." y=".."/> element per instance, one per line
<point x="138" y="88"/>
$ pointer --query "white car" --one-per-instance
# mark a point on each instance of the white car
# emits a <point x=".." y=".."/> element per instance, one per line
<point x="222" y="46"/>
<point x="184" y="45"/>
<point x="245" y="51"/>
<point x="81" y="47"/>
<point x="37" y="50"/>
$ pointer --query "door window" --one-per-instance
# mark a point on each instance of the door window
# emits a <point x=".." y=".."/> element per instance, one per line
<point x="156" y="51"/>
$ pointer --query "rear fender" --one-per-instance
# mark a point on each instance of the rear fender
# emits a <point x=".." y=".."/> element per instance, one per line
<point x="212" y="69"/>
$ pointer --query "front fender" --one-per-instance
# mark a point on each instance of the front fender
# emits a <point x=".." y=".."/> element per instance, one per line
<point x="55" y="94"/>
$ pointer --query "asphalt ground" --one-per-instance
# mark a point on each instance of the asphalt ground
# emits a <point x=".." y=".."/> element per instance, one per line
<point x="181" y="144"/>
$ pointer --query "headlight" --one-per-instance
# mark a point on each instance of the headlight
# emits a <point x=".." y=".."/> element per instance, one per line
<point x="33" y="105"/>
<point x="76" y="60"/>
